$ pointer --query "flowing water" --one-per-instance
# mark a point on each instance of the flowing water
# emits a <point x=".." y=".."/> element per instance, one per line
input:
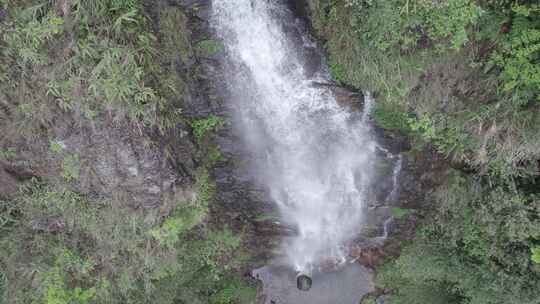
<point x="314" y="155"/>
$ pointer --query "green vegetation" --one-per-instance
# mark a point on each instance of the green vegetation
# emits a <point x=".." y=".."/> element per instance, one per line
<point x="535" y="255"/>
<point x="71" y="167"/>
<point x="203" y="128"/>
<point x="86" y="58"/>
<point x="460" y="76"/>
<point x="204" y="125"/>
<point x="391" y="117"/>
<point x="89" y="63"/>
<point x="8" y="153"/>
<point x="75" y="249"/>
<point x="56" y="147"/>
<point x="400" y="213"/>
<point x="209" y="47"/>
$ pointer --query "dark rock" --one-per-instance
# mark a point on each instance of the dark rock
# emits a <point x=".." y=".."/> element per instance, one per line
<point x="300" y="9"/>
<point x="118" y="161"/>
<point x="8" y="184"/>
<point x="199" y="8"/>
<point x="345" y="97"/>
<point x="18" y="171"/>
<point x="10" y="177"/>
<point x="303" y="282"/>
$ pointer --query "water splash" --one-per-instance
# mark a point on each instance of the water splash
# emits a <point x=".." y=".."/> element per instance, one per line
<point x="314" y="156"/>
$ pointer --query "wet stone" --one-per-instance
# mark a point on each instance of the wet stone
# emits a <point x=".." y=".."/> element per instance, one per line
<point x="303" y="282"/>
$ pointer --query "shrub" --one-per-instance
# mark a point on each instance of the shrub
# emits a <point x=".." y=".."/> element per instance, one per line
<point x="519" y="56"/>
<point x="202" y="126"/>
<point x="94" y="251"/>
<point x="108" y="65"/>
<point x="209" y="47"/>
<point x="391" y="117"/>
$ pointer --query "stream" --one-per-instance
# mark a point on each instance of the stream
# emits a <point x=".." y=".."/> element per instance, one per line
<point x="314" y="155"/>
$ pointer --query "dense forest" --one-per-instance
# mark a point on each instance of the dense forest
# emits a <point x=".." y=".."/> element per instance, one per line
<point x="92" y="95"/>
<point x="460" y="77"/>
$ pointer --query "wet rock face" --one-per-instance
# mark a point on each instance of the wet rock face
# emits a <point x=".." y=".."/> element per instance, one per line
<point x="301" y="8"/>
<point x="119" y="162"/>
<point x="348" y="99"/>
<point x="106" y="160"/>
<point x="239" y="201"/>
<point x="199" y="8"/>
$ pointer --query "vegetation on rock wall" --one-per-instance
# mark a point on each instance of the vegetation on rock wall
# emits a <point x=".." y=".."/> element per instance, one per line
<point x="94" y="61"/>
<point x="462" y="77"/>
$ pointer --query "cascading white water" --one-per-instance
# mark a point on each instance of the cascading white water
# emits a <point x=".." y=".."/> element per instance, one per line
<point x="313" y="155"/>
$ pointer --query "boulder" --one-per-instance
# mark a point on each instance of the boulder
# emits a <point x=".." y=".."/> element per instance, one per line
<point x="303" y="282"/>
<point x="367" y="256"/>
<point x="346" y="98"/>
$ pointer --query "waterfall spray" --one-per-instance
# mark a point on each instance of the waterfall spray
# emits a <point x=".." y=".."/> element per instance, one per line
<point x="313" y="155"/>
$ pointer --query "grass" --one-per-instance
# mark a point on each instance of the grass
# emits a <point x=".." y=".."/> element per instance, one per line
<point x="106" y="253"/>
<point x="106" y="61"/>
<point x="112" y="69"/>
<point x="209" y="47"/>
<point x="3" y="283"/>
<point x="400" y="213"/>
<point x="266" y="217"/>
<point x="8" y="153"/>
<point x="71" y="167"/>
<point x="203" y="126"/>
<point x="392" y="116"/>
<point x="56" y="147"/>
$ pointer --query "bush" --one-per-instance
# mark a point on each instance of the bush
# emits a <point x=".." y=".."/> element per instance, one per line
<point x="391" y="117"/>
<point x="99" y="58"/>
<point x="476" y="250"/>
<point x="203" y="126"/>
<point x="460" y="76"/>
<point x="71" y="248"/>
<point x="519" y="56"/>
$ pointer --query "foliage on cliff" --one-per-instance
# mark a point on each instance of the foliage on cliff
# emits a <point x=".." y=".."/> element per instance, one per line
<point x="461" y="76"/>
<point x="94" y="61"/>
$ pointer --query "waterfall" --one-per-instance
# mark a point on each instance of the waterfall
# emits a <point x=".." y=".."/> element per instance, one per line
<point x="314" y="156"/>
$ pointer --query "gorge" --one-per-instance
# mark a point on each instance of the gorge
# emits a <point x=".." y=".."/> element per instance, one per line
<point x="269" y="152"/>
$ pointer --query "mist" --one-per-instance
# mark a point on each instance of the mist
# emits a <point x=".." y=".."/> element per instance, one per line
<point x="313" y="155"/>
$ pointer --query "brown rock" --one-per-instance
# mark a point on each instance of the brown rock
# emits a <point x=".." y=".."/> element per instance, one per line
<point x="367" y="256"/>
<point x="354" y="101"/>
<point x="8" y="184"/>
